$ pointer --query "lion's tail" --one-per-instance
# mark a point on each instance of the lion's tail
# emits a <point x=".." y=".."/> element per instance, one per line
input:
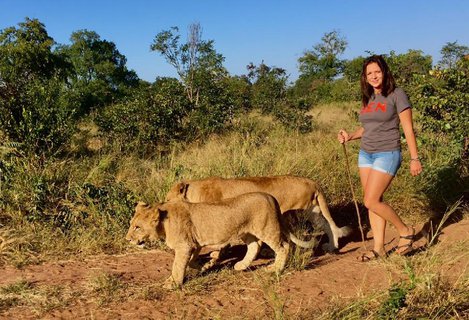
<point x="287" y="231"/>
<point x="345" y="231"/>
<point x="321" y="200"/>
<point x="304" y="244"/>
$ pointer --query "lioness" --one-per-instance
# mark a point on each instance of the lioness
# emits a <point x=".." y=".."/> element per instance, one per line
<point x="187" y="227"/>
<point x="292" y="193"/>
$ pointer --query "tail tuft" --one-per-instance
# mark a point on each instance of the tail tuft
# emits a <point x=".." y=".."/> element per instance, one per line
<point x="304" y="244"/>
<point x="345" y="231"/>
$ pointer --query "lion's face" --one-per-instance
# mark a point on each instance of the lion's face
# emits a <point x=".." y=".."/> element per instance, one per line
<point x="144" y="224"/>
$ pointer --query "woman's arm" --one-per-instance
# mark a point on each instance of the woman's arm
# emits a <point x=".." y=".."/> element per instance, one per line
<point x="407" y="125"/>
<point x="344" y="136"/>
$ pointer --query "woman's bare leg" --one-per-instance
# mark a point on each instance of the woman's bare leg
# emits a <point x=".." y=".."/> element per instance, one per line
<point x="376" y="184"/>
<point x="378" y="224"/>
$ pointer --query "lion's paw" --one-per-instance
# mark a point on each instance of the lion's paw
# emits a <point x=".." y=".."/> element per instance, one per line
<point x="240" y="266"/>
<point x="271" y="268"/>
<point x="170" y="284"/>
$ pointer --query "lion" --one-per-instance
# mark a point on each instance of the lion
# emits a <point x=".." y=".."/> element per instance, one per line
<point x="187" y="227"/>
<point x="294" y="194"/>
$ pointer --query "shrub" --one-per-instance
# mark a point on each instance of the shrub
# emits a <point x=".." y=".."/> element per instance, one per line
<point x="154" y="116"/>
<point x="35" y="106"/>
<point x="442" y="97"/>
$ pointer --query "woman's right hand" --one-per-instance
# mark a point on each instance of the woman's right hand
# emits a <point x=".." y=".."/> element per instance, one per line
<point x="343" y="136"/>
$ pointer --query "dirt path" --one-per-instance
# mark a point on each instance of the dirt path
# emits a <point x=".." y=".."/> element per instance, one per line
<point x="225" y="294"/>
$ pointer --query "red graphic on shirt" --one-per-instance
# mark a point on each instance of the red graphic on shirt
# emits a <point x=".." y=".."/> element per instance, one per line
<point x="374" y="107"/>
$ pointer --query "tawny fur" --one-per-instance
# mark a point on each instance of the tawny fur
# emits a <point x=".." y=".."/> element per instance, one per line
<point x="293" y="194"/>
<point x="187" y="227"/>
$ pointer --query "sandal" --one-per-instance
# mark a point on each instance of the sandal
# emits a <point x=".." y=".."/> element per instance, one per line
<point x="408" y="246"/>
<point x="366" y="258"/>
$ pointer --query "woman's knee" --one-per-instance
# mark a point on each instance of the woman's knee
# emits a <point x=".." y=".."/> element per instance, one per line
<point x="370" y="203"/>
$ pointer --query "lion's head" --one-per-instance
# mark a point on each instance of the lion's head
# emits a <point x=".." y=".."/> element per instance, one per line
<point x="177" y="192"/>
<point x="145" y="225"/>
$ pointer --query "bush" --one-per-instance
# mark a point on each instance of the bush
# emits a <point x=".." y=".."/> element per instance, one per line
<point x="48" y="192"/>
<point x="442" y="101"/>
<point x="442" y="97"/>
<point x="154" y="116"/>
<point x="293" y="118"/>
<point x="40" y="117"/>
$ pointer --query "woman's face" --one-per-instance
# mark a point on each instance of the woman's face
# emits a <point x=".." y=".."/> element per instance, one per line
<point x="374" y="76"/>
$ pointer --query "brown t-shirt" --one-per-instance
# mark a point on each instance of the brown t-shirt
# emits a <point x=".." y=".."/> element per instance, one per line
<point x="380" y="119"/>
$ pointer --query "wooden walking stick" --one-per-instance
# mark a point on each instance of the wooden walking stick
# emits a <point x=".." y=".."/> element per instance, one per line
<point x="353" y="195"/>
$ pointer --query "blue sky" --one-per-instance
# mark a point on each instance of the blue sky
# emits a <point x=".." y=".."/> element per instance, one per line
<point x="276" y="32"/>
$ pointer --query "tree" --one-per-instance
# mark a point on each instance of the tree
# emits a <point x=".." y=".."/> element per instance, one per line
<point x="268" y="86"/>
<point x="201" y="72"/>
<point x="323" y="61"/>
<point x="319" y="67"/>
<point x="195" y="61"/>
<point x="100" y="73"/>
<point x="353" y="69"/>
<point x="451" y="53"/>
<point x="35" y="106"/>
<point x="269" y="94"/>
<point x="26" y="53"/>
<point x="405" y="66"/>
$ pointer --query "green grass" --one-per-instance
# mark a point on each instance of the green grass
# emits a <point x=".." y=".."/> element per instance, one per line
<point x="105" y="287"/>
<point x="40" y="299"/>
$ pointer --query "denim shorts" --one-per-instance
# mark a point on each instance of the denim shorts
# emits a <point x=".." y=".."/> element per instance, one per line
<point x="387" y="162"/>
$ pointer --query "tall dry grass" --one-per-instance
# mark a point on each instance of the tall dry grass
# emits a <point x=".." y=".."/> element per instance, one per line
<point x="258" y="146"/>
<point x="95" y="189"/>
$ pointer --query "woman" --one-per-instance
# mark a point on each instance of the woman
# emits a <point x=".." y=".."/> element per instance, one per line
<point x="384" y="106"/>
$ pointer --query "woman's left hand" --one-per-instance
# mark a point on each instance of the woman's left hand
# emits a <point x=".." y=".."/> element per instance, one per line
<point x="415" y="167"/>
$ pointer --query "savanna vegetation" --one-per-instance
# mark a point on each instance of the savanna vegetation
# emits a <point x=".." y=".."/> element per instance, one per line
<point x="83" y="138"/>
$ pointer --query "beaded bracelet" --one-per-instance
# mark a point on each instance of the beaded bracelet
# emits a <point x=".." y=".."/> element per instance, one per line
<point x="414" y="159"/>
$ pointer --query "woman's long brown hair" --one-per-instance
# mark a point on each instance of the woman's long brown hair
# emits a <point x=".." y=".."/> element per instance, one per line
<point x="388" y="80"/>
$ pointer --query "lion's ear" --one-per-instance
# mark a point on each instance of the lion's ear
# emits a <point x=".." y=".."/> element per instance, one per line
<point x="183" y="188"/>
<point x="140" y="205"/>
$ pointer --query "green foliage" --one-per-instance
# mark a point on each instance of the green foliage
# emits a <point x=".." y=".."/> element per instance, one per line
<point x="100" y="75"/>
<point x="162" y="113"/>
<point x="40" y="117"/>
<point x="25" y="54"/>
<point x="113" y="201"/>
<point x="239" y="89"/>
<point x="320" y="66"/>
<point x="269" y="95"/>
<point x="217" y="107"/>
<point x="339" y="90"/>
<point x="153" y="117"/>
<point x="195" y="61"/>
<point x="395" y="302"/>
<point x="451" y="53"/>
<point x="268" y="88"/>
<point x="46" y="192"/>
<point x="323" y="61"/>
<point x="35" y="106"/>
<point x="30" y="188"/>
<point x="442" y="97"/>
<point x="214" y="97"/>
<point x="353" y="69"/>
<point x="408" y="65"/>
<point x="293" y="118"/>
